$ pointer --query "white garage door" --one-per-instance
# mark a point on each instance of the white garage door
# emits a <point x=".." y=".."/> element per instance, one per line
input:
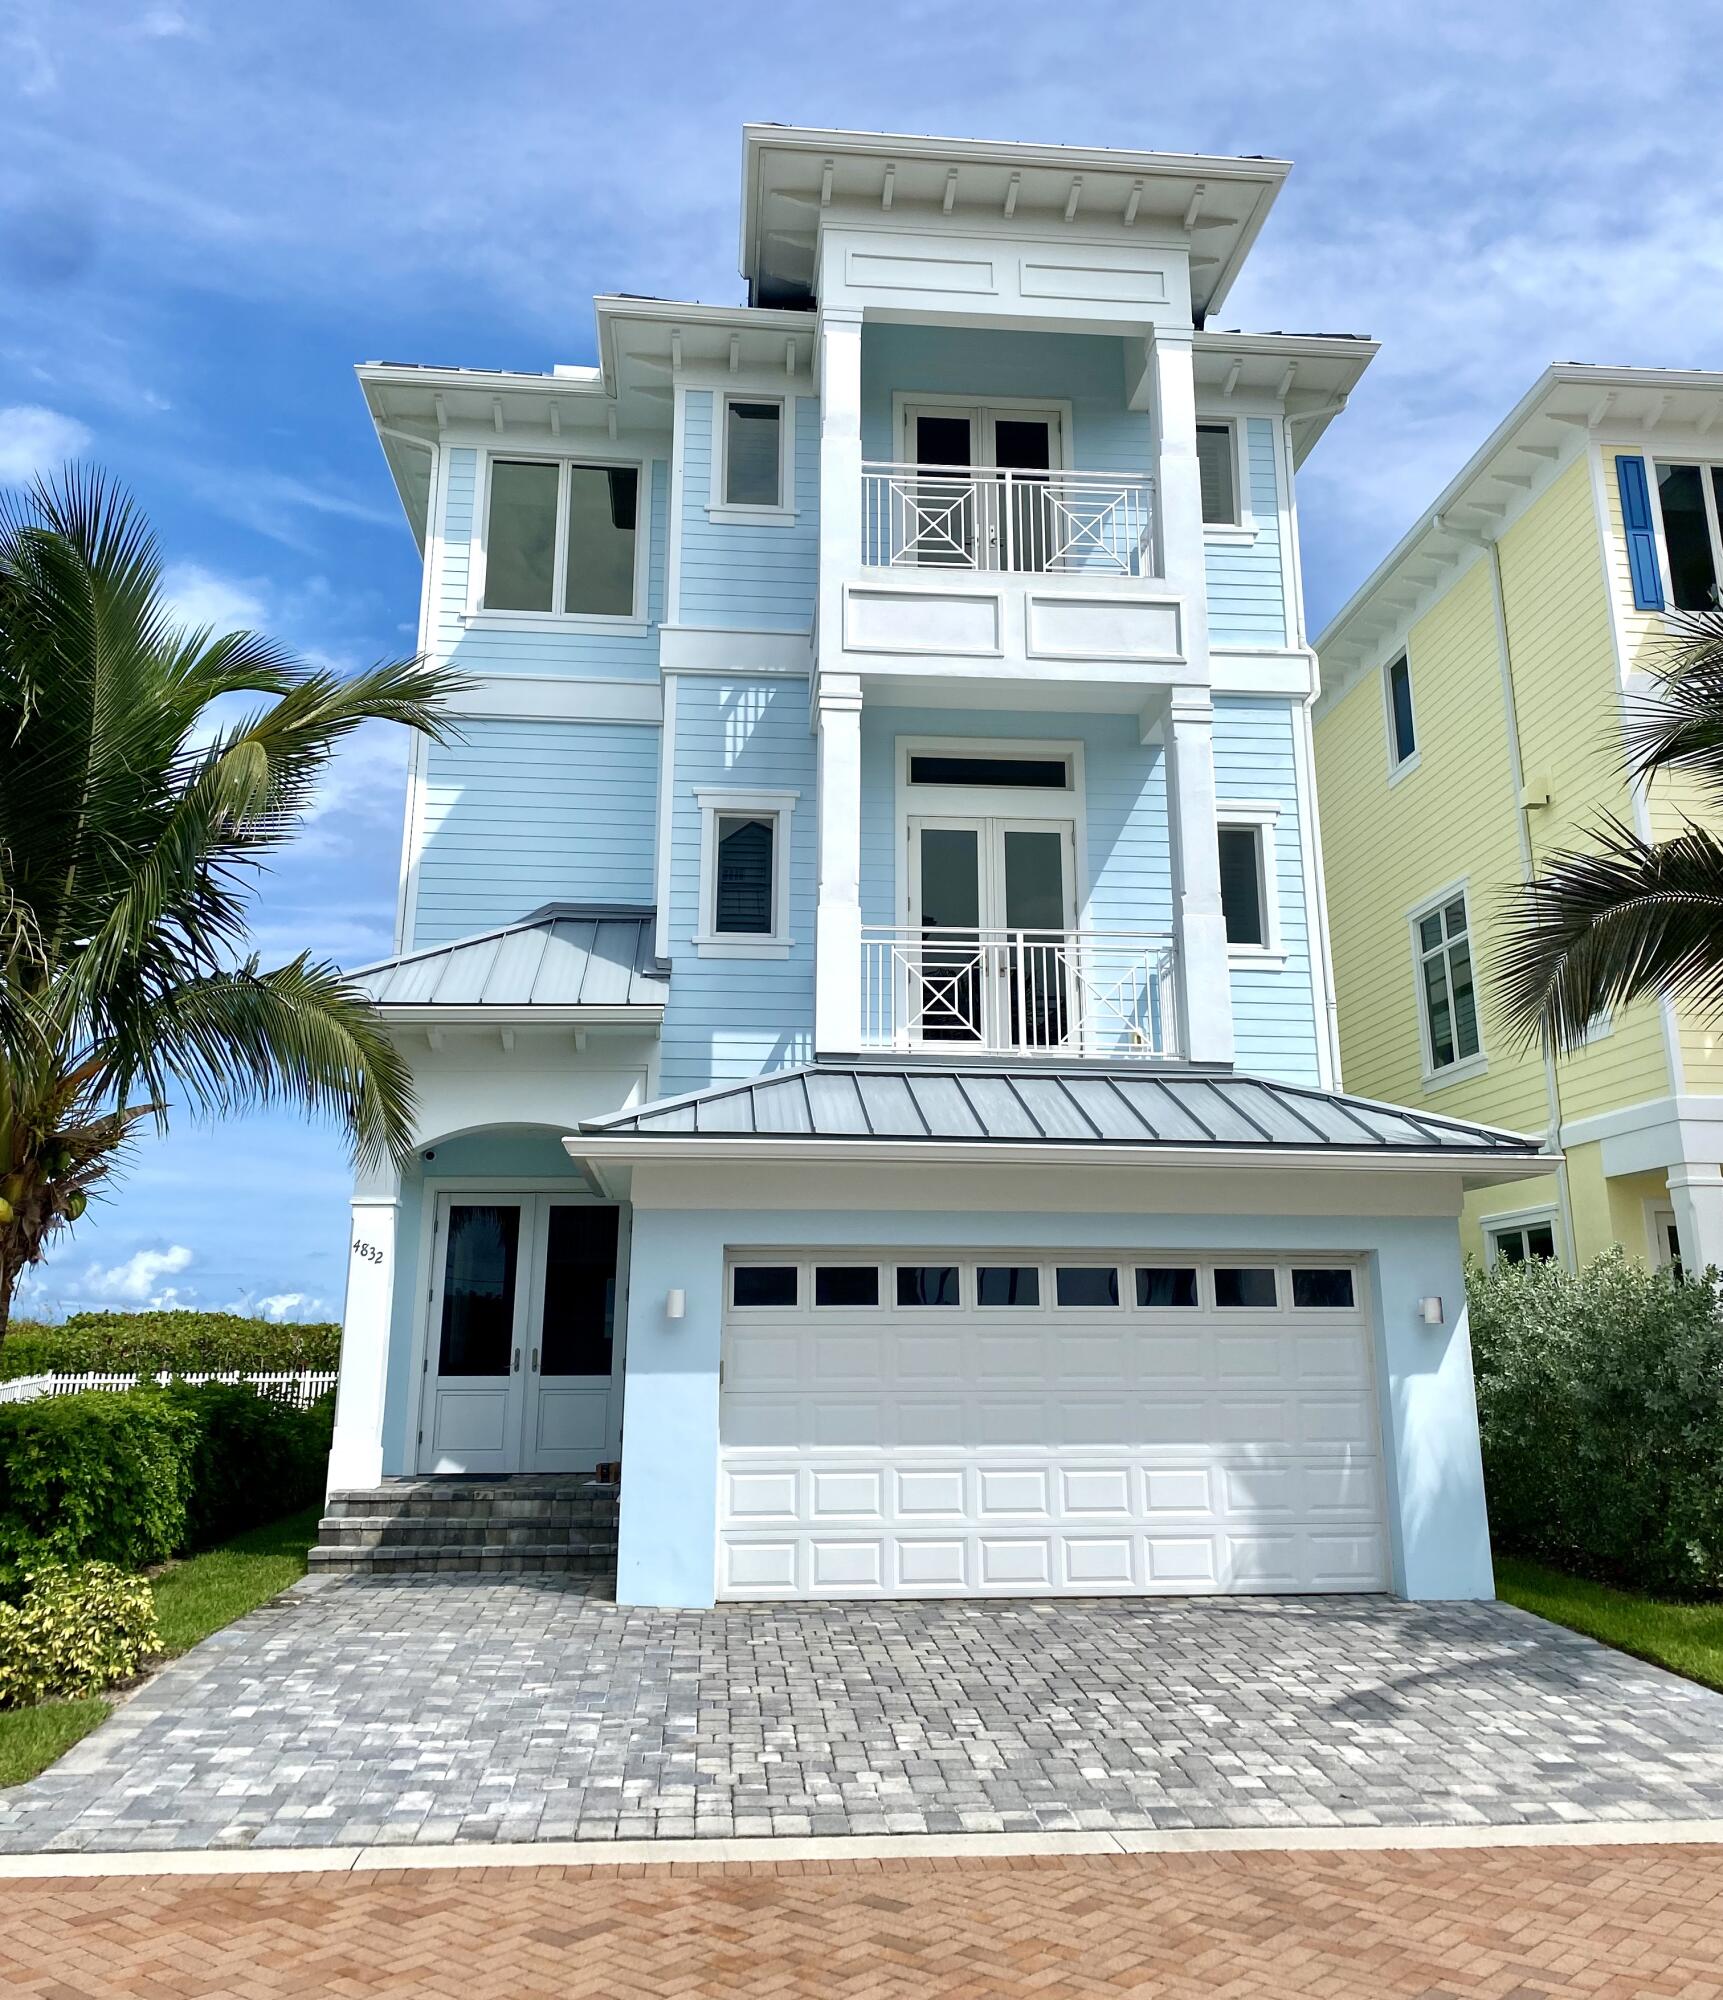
<point x="1056" y="1426"/>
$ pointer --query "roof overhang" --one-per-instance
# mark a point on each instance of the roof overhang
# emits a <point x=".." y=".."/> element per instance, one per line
<point x="1310" y="375"/>
<point x="638" y="1015"/>
<point x="1570" y="405"/>
<point x="790" y="174"/>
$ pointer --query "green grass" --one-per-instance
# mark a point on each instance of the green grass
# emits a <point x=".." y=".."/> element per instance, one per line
<point x="32" y="1738"/>
<point x="1686" y="1638"/>
<point x="200" y="1595"/>
<point x="193" y="1599"/>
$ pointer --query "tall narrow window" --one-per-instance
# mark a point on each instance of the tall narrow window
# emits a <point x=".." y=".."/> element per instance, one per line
<point x="603" y="502"/>
<point x="1241" y="885"/>
<point x="1400" y="724"/>
<point x="1690" y="498"/>
<point x="753" y="473"/>
<point x="1446" y="985"/>
<point x="1217" y="474"/>
<point x="743" y="900"/>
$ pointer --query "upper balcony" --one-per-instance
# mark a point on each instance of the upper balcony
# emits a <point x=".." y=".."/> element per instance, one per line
<point x="1018" y="521"/>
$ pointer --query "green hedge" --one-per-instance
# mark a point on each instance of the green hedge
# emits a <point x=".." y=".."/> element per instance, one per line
<point x="75" y="1632"/>
<point x="135" y="1477"/>
<point x="1600" y="1403"/>
<point x="147" y="1343"/>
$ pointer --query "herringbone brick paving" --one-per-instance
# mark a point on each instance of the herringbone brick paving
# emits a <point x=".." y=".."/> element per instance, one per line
<point x="1509" y="1924"/>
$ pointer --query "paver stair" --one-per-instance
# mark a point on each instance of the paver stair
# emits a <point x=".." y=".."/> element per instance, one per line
<point x="408" y="1526"/>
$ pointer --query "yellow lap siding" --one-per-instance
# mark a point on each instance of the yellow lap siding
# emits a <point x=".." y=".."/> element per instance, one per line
<point x="1386" y="848"/>
<point x="1673" y="799"/>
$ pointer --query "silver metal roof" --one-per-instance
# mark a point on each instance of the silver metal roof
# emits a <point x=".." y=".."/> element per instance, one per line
<point x="564" y="955"/>
<point x="1018" y="1106"/>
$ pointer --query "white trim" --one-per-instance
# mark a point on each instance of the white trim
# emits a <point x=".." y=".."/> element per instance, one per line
<point x="559" y="698"/>
<point x="1462" y="1066"/>
<point x="430" y="581"/>
<point x="1257" y="816"/>
<point x="665" y="826"/>
<point x="736" y="650"/>
<point x="635" y="623"/>
<point x="1400" y="767"/>
<point x="1520" y="1219"/>
<point x="678" y="496"/>
<point x="1658" y="1209"/>
<point x="1243" y="525"/>
<point x="1320" y="957"/>
<point x="781" y="513"/>
<point x="644" y="1015"/>
<point x="777" y="806"/>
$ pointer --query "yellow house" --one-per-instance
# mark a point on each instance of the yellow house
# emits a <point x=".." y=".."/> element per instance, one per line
<point x="1469" y="726"/>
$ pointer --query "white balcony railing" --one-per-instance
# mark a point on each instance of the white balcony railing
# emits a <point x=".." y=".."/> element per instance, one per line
<point x="1019" y="992"/>
<point x="964" y="517"/>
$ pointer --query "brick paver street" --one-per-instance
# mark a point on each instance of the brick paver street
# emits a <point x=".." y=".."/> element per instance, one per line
<point x="502" y="1709"/>
<point x="1522" y="1923"/>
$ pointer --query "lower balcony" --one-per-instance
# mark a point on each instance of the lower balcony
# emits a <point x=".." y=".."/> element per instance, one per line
<point x="1105" y="995"/>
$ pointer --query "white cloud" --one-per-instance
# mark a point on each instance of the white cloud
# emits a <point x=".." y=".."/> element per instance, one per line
<point x="200" y="597"/>
<point x="34" y="439"/>
<point x="291" y="1306"/>
<point x="136" y="1282"/>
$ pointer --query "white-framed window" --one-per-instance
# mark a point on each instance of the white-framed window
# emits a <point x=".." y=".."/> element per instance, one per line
<point x="1220" y="473"/>
<point x="1397" y="712"/>
<point x="1690" y="507"/>
<point x="1249" y="879"/>
<point x="753" y="457"/>
<point x="1518" y="1239"/>
<point x="744" y="874"/>
<point x="1447" y="986"/>
<point x="561" y="538"/>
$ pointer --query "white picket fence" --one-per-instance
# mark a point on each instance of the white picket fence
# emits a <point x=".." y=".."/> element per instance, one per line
<point x="300" y="1387"/>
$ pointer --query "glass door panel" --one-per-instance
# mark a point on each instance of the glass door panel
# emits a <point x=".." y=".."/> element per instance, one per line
<point x="1023" y="446"/>
<point x="946" y="982"/>
<point x="943" y="528"/>
<point x="471" y="1423"/>
<point x="1036" y="898"/>
<point x="574" y="1321"/>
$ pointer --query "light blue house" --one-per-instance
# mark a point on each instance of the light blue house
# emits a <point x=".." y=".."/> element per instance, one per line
<point x="863" y="962"/>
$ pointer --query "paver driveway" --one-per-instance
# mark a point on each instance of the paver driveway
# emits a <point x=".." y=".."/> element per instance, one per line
<point x="358" y="1711"/>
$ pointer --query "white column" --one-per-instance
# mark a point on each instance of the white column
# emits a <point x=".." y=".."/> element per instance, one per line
<point x="840" y="470"/>
<point x="1696" y="1193"/>
<point x="1204" y="978"/>
<point x="837" y="933"/>
<point x="356" y="1456"/>
<point x="1178" y="485"/>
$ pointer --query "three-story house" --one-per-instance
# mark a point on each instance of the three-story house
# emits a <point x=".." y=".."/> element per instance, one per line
<point x="863" y="961"/>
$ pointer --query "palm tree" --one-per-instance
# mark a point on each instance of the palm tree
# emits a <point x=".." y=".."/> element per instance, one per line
<point x="134" y="817"/>
<point x="1631" y="916"/>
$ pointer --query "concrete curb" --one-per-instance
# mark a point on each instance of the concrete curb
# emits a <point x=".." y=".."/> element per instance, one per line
<point x="861" y="1847"/>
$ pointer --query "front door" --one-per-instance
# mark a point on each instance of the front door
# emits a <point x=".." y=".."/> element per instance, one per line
<point x="525" y="1304"/>
<point x="992" y="909"/>
<point x="981" y="497"/>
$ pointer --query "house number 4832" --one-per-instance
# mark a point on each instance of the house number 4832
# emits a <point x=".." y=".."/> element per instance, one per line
<point x="367" y="1252"/>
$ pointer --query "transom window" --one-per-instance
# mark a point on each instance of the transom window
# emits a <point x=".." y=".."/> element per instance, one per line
<point x="1217" y="471"/>
<point x="1446" y="988"/>
<point x="1690" y="499"/>
<point x="561" y="536"/>
<point x="933" y="767"/>
<point x="753" y="453"/>
<point x="1517" y="1243"/>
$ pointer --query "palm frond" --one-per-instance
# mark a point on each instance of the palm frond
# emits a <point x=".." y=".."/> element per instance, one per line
<point x="1680" y="726"/>
<point x="1598" y="929"/>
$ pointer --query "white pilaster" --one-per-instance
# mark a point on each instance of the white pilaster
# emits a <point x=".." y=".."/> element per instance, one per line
<point x="1696" y="1193"/>
<point x="1178" y="485"/>
<point x="837" y="932"/>
<point x="356" y="1456"/>
<point x="840" y="340"/>
<point x="1204" y="977"/>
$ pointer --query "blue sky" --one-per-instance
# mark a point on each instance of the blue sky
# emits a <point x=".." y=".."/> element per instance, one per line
<point x="210" y="212"/>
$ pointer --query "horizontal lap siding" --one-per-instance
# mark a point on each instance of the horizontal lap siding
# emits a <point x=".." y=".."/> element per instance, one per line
<point x="1385" y="848"/>
<point x="729" y="1018"/>
<point x="1125" y="830"/>
<point x="1273" y="1009"/>
<point x="1674" y="798"/>
<point x="548" y="649"/>
<point x="1567" y="695"/>
<point x="518" y="814"/>
<point x="762" y="578"/>
<point x="1246" y="580"/>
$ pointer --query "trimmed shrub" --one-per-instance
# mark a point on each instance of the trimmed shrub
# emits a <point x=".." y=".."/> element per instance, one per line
<point x="1600" y="1404"/>
<point x="76" y="1632"/>
<point x="133" y="1477"/>
<point x="189" y="1343"/>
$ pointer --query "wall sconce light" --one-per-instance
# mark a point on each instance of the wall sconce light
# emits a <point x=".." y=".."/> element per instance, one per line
<point x="676" y="1303"/>
<point x="1430" y="1311"/>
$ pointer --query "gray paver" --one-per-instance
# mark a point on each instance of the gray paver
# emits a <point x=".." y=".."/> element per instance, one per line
<point x="531" y="1707"/>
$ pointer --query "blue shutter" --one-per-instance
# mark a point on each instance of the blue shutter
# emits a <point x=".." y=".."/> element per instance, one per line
<point x="1641" y="538"/>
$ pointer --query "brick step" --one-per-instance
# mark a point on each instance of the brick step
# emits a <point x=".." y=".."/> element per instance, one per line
<point x="562" y="1513"/>
<point x="390" y="1530"/>
<point x="525" y="1501"/>
<point x="579" y="1558"/>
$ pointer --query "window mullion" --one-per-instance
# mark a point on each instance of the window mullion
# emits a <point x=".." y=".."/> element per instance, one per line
<point x="559" y="554"/>
<point x="1708" y="490"/>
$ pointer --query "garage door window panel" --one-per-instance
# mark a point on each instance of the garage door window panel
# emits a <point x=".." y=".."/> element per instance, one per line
<point x="1324" y="1289"/>
<point x="1167" y="1286"/>
<point x="1093" y="1285"/>
<point x="1242" y="1287"/>
<point x="928" y="1285"/>
<point x="846" y="1285"/>
<point x="1008" y="1285"/>
<point x="764" y="1285"/>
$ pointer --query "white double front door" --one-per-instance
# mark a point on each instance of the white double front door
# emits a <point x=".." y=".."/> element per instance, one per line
<point x="521" y="1346"/>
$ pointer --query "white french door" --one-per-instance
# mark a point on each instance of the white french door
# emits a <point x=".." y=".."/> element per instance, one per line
<point x="525" y="1314"/>
<point x="992" y="904"/>
<point x="982" y="485"/>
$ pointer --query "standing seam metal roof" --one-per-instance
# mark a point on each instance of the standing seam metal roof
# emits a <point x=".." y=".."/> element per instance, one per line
<point x="1036" y="1106"/>
<point x="564" y="955"/>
